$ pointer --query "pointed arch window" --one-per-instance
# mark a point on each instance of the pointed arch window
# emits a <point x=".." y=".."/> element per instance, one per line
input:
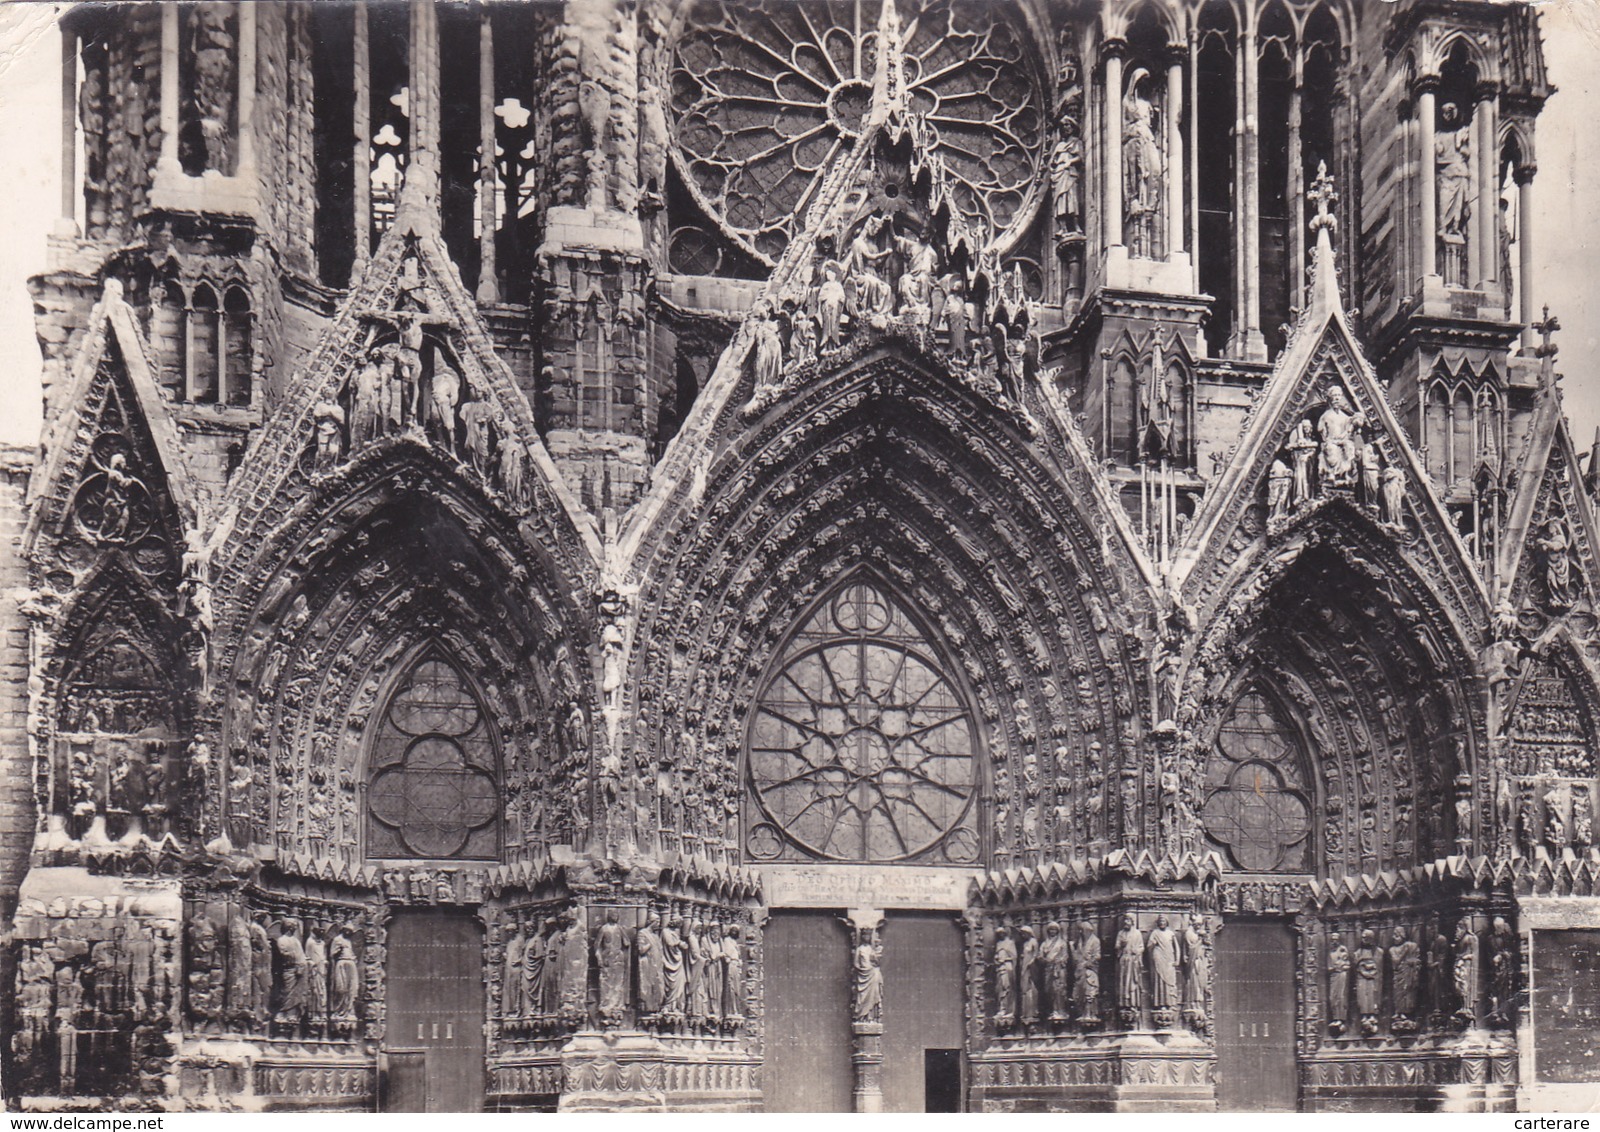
<point x="862" y="744"/>
<point x="433" y="789"/>
<point x="1257" y="809"/>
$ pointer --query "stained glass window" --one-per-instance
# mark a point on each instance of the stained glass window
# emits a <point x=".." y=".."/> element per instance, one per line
<point x="861" y="747"/>
<point x="765" y="95"/>
<point x="433" y="788"/>
<point x="1256" y="806"/>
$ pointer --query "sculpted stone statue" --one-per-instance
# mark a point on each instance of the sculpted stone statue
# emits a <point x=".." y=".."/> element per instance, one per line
<point x="290" y="975"/>
<point x="260" y="972"/>
<point x="573" y="974"/>
<point x="1405" y="967"/>
<point x="343" y="978"/>
<point x="1503" y="973"/>
<point x="1056" y="955"/>
<point x="1336" y="459"/>
<point x="1279" y="481"/>
<point x="867" y="998"/>
<point x="1130" y="970"/>
<point x="1452" y="158"/>
<point x="1162" y="951"/>
<point x="1086" y="974"/>
<point x="205" y="971"/>
<point x="316" y="979"/>
<point x="550" y="999"/>
<point x="694" y="946"/>
<point x="1368" y="970"/>
<point x="733" y="976"/>
<point x="711" y="948"/>
<point x="1338" y="986"/>
<point x="241" y="987"/>
<point x="532" y="972"/>
<point x="674" y="1001"/>
<point x="511" y="978"/>
<point x="1005" y="978"/>
<point x="1196" y="970"/>
<point x="1440" y="965"/>
<point x="611" y="961"/>
<point x="1467" y="973"/>
<point x="647" y="950"/>
<point x="1028" y="976"/>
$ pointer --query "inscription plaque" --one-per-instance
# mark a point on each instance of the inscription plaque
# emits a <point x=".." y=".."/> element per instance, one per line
<point x="865" y="886"/>
<point x="1566" y="1005"/>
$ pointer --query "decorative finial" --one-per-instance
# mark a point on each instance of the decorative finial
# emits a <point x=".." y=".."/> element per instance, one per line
<point x="1323" y="196"/>
<point x="1547" y="328"/>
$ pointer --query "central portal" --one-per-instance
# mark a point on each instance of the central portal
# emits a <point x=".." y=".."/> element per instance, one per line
<point x="1256" y="1068"/>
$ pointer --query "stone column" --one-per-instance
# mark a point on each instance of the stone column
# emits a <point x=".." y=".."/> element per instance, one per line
<point x="422" y="170"/>
<point x="1526" y="311"/>
<point x="488" y="175"/>
<point x="245" y="167"/>
<point x="1176" y="53"/>
<point x="68" y="225"/>
<point x="1296" y="191"/>
<point x="1250" y="174"/>
<point x="1487" y="228"/>
<point x="866" y="1009"/>
<point x="1427" y="178"/>
<point x="170" y="34"/>
<point x="1111" y="176"/>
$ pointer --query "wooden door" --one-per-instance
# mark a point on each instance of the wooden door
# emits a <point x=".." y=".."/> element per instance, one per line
<point x="922" y="1012"/>
<point x="435" y="1004"/>
<point x="808" y="1066"/>
<point x="1255" y="1006"/>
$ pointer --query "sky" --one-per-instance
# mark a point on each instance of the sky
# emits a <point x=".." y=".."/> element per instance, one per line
<point x="1566" y="221"/>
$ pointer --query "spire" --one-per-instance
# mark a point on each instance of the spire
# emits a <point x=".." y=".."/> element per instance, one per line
<point x="1324" y="291"/>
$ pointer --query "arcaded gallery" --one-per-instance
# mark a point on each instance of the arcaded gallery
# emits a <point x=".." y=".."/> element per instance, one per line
<point x="771" y="555"/>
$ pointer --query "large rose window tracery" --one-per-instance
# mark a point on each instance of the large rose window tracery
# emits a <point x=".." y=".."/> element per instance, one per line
<point x="861" y="747"/>
<point x="764" y="95"/>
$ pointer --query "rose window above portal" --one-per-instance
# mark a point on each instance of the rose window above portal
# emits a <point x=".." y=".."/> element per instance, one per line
<point x="763" y="96"/>
<point x="861" y="748"/>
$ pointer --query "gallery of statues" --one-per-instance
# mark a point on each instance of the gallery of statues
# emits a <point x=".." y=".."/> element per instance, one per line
<point x="772" y="555"/>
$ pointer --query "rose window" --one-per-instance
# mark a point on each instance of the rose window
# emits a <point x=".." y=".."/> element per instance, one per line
<point x="861" y="748"/>
<point x="765" y="95"/>
<point x="1256" y="808"/>
<point x="433" y="790"/>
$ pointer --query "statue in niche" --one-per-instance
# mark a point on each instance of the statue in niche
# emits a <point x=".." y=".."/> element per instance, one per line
<point x="512" y="982"/>
<point x="1452" y="147"/>
<point x="1162" y="951"/>
<point x="1582" y="817"/>
<point x="533" y="972"/>
<point x="1554" y="545"/>
<point x="1337" y="430"/>
<point x="1196" y="971"/>
<point x="1368" y="972"/>
<point x="732" y="976"/>
<point x="289" y="975"/>
<point x="831" y="300"/>
<point x="1130" y="970"/>
<point x="327" y="436"/>
<point x="1528" y="820"/>
<point x="1005" y="978"/>
<point x="1555" y="822"/>
<point x="1503" y="973"/>
<point x="1141" y="163"/>
<point x="611" y="963"/>
<point x="478" y="434"/>
<point x="573" y="973"/>
<point x="1371" y="465"/>
<point x="647" y="950"/>
<point x="916" y="280"/>
<point x="343" y="978"/>
<point x="1066" y="180"/>
<point x="711" y="945"/>
<point x="316" y="979"/>
<point x="802" y="339"/>
<point x="1028" y="975"/>
<point x="444" y="399"/>
<point x="1056" y="956"/>
<point x="212" y="46"/>
<point x="1405" y="972"/>
<point x="867" y="998"/>
<point x="1440" y="963"/>
<point x="513" y="468"/>
<point x="871" y="298"/>
<point x="674" y="977"/>
<point x="1466" y="973"/>
<point x="1338" y="986"/>
<point x="1086" y="974"/>
<point x="766" y="348"/>
<point x="1392" y="496"/>
<point x="1279" y="482"/>
<point x="69" y="1007"/>
<point x="367" y="415"/>
<point x="36" y="974"/>
<point x="1302" y="446"/>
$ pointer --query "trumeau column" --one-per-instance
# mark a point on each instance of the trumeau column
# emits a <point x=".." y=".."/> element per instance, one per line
<point x="1111" y="165"/>
<point x="866" y="1007"/>
<point x="1427" y="181"/>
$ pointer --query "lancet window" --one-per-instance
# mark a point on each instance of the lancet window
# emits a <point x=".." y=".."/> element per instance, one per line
<point x="1257" y="808"/>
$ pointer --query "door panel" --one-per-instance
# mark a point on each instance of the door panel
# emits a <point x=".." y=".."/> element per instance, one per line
<point x="922" y="1009"/>
<point x="1255" y="1006"/>
<point x="808" y="1066"/>
<point x="435" y="1004"/>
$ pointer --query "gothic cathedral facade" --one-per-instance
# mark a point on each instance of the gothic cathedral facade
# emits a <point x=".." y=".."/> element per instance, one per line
<point x="898" y="555"/>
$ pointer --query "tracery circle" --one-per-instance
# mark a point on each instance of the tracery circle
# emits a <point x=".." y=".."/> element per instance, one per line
<point x="763" y="95"/>
<point x="861" y="749"/>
